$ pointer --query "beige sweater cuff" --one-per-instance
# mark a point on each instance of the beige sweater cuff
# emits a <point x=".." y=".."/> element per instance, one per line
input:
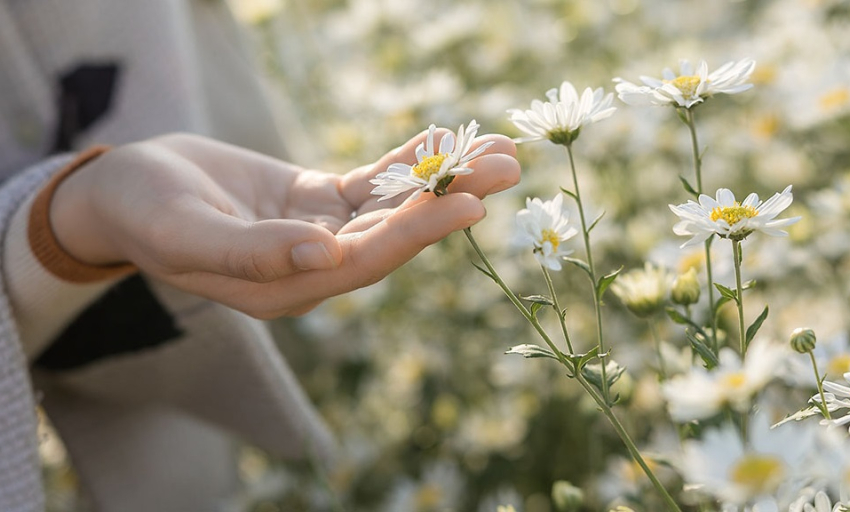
<point x="44" y="243"/>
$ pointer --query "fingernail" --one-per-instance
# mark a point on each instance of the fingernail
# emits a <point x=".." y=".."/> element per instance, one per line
<point x="312" y="256"/>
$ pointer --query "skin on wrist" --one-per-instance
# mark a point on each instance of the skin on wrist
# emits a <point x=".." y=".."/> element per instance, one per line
<point x="77" y="226"/>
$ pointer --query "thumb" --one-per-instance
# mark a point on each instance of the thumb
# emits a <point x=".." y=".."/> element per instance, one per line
<point x="260" y="251"/>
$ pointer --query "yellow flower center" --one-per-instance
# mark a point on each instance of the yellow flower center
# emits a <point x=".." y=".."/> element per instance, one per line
<point x="834" y="99"/>
<point x="429" y="166"/>
<point x="758" y="473"/>
<point x="687" y="85"/>
<point x="549" y="235"/>
<point x="839" y="365"/>
<point x="735" y="380"/>
<point x="428" y="497"/>
<point x="733" y="214"/>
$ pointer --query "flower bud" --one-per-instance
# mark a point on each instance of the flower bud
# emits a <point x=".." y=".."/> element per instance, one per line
<point x="643" y="291"/>
<point x="567" y="497"/>
<point x="803" y="340"/>
<point x="686" y="288"/>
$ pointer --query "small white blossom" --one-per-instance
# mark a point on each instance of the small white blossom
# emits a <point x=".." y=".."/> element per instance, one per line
<point x="435" y="167"/>
<point x="560" y="119"/>
<point x="545" y="226"/>
<point x="689" y="87"/>
<point x="731" y="219"/>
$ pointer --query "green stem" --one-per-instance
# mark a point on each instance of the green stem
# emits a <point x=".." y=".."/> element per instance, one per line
<point x="736" y="255"/>
<point x="558" y="309"/>
<point x="593" y="281"/>
<point x="653" y="328"/>
<point x="600" y="401"/>
<point x="630" y="445"/>
<point x="825" y="409"/>
<point x="692" y="127"/>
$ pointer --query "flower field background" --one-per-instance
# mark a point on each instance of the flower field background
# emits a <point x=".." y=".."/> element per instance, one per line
<point x="411" y="373"/>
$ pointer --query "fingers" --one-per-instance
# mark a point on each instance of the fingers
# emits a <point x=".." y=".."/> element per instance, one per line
<point x="259" y="252"/>
<point x="367" y="257"/>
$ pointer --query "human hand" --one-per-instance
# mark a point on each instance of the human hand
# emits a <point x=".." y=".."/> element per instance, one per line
<point x="262" y="236"/>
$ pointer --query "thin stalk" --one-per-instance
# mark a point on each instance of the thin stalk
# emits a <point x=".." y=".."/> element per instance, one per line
<point x="630" y="445"/>
<point x="825" y="409"/>
<point x="653" y="329"/>
<point x="736" y="255"/>
<point x="600" y="401"/>
<point x="593" y="280"/>
<point x="558" y="310"/>
<point x="692" y="127"/>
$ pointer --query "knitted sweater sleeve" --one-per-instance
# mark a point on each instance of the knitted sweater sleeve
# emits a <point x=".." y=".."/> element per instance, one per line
<point x="34" y="306"/>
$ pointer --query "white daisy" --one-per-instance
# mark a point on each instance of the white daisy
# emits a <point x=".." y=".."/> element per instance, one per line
<point x="701" y="394"/>
<point x="690" y="87"/>
<point x="644" y="291"/>
<point x="560" y="119"/>
<point x="767" y="469"/>
<point x="730" y="219"/>
<point x="821" y="503"/>
<point x="435" y="168"/>
<point x="544" y="225"/>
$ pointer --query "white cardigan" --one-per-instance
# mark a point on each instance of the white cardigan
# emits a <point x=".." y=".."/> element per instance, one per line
<point x="145" y="430"/>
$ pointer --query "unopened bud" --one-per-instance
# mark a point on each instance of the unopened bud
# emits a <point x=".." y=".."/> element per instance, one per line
<point x="686" y="288"/>
<point x="803" y="340"/>
<point x="567" y="497"/>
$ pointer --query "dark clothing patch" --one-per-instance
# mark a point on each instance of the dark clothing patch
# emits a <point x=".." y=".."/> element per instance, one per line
<point x="85" y="95"/>
<point x="128" y="318"/>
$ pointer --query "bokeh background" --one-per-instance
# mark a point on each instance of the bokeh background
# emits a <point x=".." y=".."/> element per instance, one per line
<point x="410" y="373"/>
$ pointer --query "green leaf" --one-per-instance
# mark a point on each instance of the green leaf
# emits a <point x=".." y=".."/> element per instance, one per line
<point x="529" y="351"/>
<point x="539" y="299"/>
<point x="483" y="270"/>
<point x="580" y="264"/>
<point x="581" y="360"/>
<point x="749" y="284"/>
<point x="595" y="221"/>
<point x="605" y="282"/>
<point x="569" y="193"/>
<point x="688" y="188"/>
<point x="679" y="318"/>
<point x="727" y="292"/>
<point x="535" y="307"/>
<point x="756" y="325"/>
<point x="703" y="350"/>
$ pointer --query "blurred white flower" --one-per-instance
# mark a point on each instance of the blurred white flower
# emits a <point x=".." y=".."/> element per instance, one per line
<point x="768" y="468"/>
<point x="644" y="291"/>
<point x="544" y="225"/>
<point x="435" y="167"/>
<point x="690" y="87"/>
<point x="560" y="119"/>
<point x="701" y="394"/>
<point x="731" y="219"/>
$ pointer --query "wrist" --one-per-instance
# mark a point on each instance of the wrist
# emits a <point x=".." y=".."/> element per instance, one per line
<point x="65" y="232"/>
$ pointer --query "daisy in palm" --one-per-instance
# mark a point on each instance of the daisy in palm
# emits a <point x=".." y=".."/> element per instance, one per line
<point x="435" y="167"/>
<point x="728" y="218"/>
<point x="544" y="225"/>
<point x="560" y="119"/>
<point x="689" y="87"/>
